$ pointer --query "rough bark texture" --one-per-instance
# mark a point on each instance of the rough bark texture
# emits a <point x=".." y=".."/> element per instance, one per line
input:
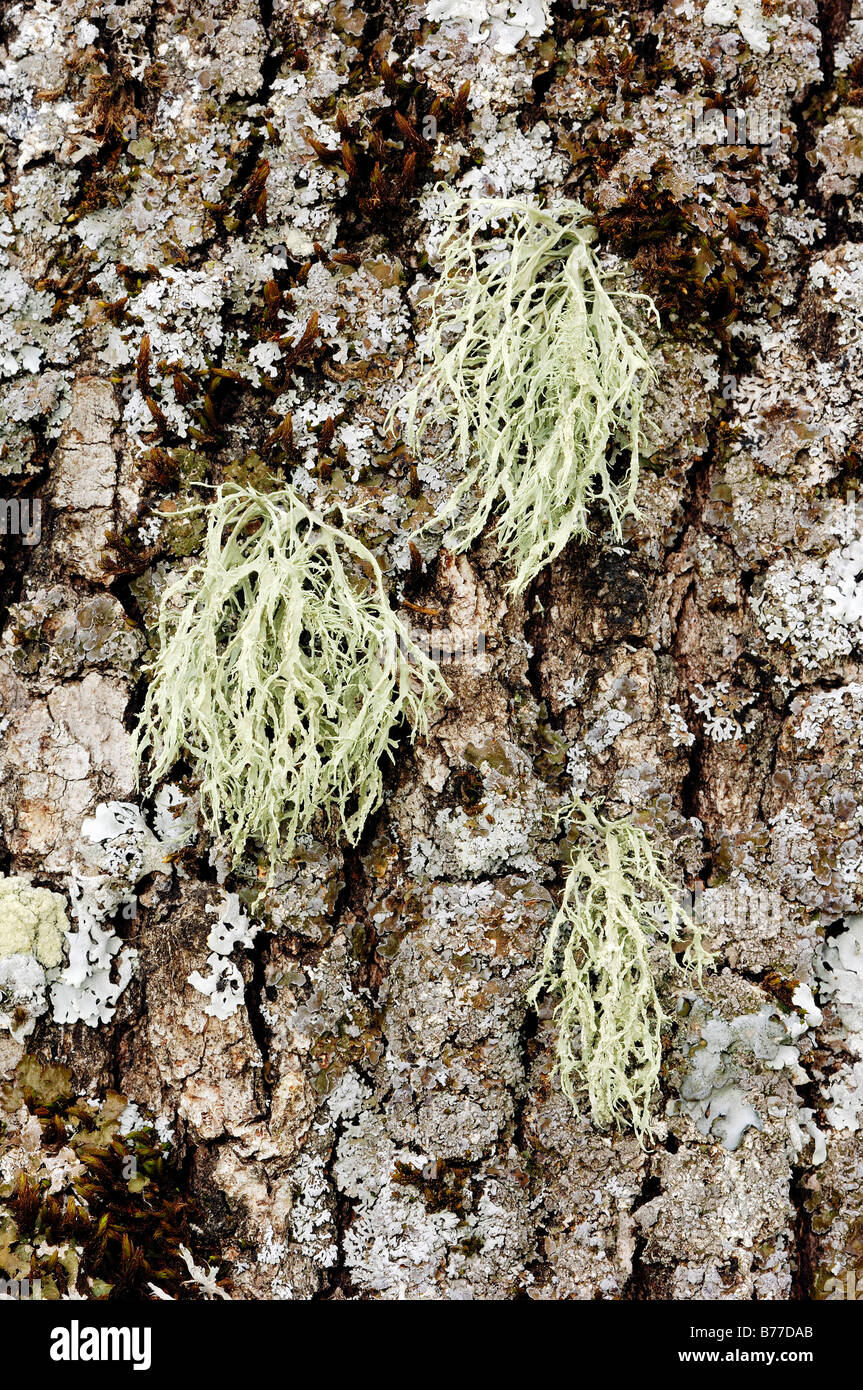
<point x="378" y="1118"/>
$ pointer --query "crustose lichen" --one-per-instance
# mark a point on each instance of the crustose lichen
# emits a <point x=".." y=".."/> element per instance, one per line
<point x="281" y="673"/>
<point x="536" y="379"/>
<point x="33" y="937"/>
<point x="617" y="903"/>
<point x="33" y="921"/>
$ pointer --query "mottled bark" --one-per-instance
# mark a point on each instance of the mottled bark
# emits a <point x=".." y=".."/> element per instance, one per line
<point x="378" y="1117"/>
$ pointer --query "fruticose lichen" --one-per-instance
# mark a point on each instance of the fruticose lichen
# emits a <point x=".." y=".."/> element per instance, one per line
<point x="537" y="376"/>
<point x="617" y="902"/>
<point x="282" y="675"/>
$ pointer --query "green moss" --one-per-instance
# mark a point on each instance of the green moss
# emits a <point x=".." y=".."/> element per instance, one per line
<point x="94" y="1213"/>
<point x="447" y="1187"/>
<point x="695" y="260"/>
<point x="387" y="153"/>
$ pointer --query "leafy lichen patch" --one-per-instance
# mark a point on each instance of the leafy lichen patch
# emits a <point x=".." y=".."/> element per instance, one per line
<point x="33" y="921"/>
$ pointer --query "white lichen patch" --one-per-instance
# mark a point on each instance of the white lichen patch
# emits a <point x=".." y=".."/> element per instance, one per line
<point x="451" y="1064"/>
<point x="99" y="966"/>
<point x="501" y="23"/>
<point x="840" y="981"/>
<point x="816" y="606"/>
<point x="747" y="15"/>
<point x="127" y="846"/>
<point x="716" y="1090"/>
<point x="813" y="806"/>
<point x="224" y="984"/>
<point x="507" y="829"/>
<point x="839" y="153"/>
<point x="720" y="708"/>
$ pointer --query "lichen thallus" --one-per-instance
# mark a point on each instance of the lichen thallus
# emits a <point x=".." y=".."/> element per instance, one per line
<point x="281" y="670"/>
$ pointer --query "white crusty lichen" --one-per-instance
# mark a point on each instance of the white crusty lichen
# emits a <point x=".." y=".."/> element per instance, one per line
<point x="747" y="15"/>
<point x="535" y="378"/>
<point x="33" y="928"/>
<point x="815" y="607"/>
<point x="617" y="904"/>
<point x="281" y="674"/>
<point x="100" y="966"/>
<point x="506" y="830"/>
<point x="127" y="847"/>
<point x="224" y="985"/>
<point x="116" y="850"/>
<point x="745" y="1065"/>
<point x="501" y="23"/>
<point x="840" y="972"/>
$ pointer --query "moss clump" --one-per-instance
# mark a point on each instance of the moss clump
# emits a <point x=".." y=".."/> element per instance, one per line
<point x="444" y="1186"/>
<point x="387" y="154"/>
<point x="697" y="261"/>
<point x="617" y="903"/>
<point x="91" y="1212"/>
<point x="536" y="379"/>
<point x="281" y="674"/>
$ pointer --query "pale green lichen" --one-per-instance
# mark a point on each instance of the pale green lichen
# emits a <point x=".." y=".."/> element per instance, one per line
<point x="33" y="922"/>
<point x="617" y="904"/>
<point x="536" y="378"/>
<point x="281" y="673"/>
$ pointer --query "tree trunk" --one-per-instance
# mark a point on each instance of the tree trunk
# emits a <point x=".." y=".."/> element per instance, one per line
<point x="219" y="228"/>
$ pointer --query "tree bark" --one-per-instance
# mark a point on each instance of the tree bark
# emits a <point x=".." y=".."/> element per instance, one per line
<point x="190" y="189"/>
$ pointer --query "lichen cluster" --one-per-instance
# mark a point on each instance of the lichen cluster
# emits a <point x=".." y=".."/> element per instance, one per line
<point x="33" y="921"/>
<point x="535" y="378"/>
<point x="617" y="906"/>
<point x="281" y="674"/>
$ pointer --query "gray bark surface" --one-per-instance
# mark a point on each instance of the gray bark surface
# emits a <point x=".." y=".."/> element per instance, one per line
<point x="379" y="1117"/>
